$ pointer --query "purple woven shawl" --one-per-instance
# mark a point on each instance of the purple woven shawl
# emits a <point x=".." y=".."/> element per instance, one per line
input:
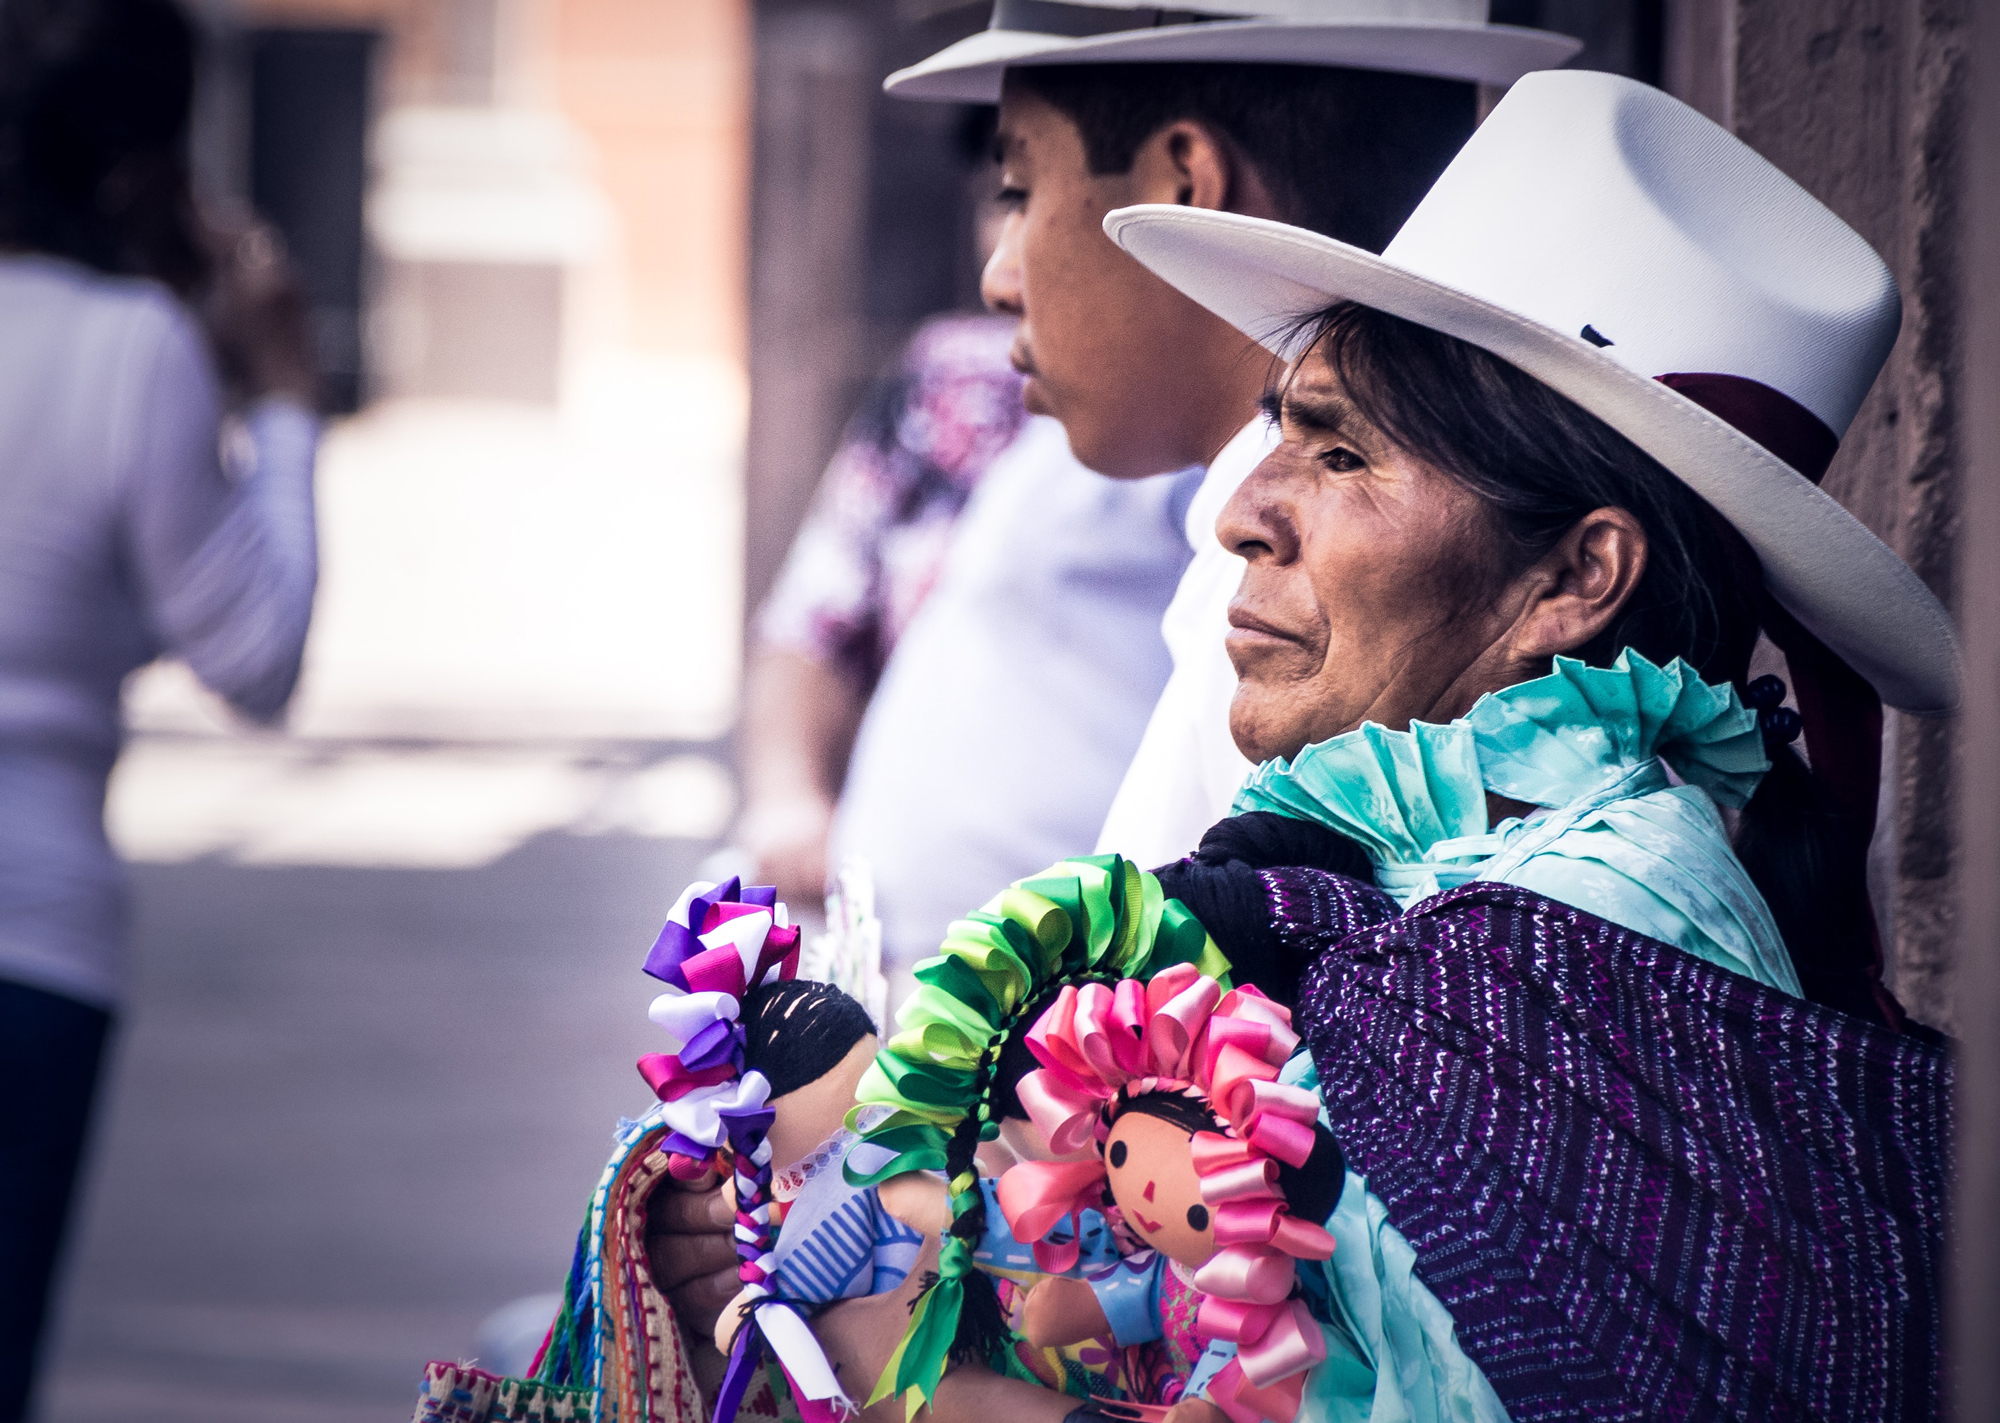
<point x="1644" y="1187"/>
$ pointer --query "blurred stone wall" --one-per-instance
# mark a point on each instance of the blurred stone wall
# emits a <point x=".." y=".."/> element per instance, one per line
<point x="1863" y="102"/>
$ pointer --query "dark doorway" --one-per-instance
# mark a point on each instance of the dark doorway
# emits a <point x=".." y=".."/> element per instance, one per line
<point x="311" y="96"/>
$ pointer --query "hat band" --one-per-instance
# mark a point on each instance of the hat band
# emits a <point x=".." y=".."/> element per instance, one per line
<point x="1053" y="17"/>
<point x="1770" y="417"/>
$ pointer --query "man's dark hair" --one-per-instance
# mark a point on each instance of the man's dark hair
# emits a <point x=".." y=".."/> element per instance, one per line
<point x="1346" y="152"/>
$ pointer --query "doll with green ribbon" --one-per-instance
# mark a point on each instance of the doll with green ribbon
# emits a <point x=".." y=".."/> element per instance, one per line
<point x="940" y="1079"/>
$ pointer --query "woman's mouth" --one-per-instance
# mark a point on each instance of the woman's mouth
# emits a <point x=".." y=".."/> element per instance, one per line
<point x="1248" y="625"/>
<point x="1151" y="1227"/>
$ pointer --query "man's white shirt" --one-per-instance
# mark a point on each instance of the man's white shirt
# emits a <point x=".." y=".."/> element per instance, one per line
<point x="1187" y="769"/>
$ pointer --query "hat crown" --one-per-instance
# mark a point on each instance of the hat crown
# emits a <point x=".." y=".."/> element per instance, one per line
<point x="1350" y="11"/>
<point x="1591" y="201"/>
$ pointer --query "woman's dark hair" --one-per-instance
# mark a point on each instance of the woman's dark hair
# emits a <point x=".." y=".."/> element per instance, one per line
<point x="1346" y="152"/>
<point x="95" y="101"/>
<point x="1540" y="463"/>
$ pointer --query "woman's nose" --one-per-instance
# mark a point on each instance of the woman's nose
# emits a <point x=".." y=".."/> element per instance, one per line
<point x="1000" y="283"/>
<point x="1257" y="523"/>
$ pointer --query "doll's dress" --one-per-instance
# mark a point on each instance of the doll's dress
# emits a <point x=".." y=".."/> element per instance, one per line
<point x="835" y="1241"/>
<point x="1152" y="1353"/>
<point x="1150" y="1303"/>
<point x="1095" y="1368"/>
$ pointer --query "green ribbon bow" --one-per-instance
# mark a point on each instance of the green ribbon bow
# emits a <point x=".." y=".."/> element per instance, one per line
<point x="1094" y="916"/>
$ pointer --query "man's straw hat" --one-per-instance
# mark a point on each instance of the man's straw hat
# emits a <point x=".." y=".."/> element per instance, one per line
<point x="1449" y="39"/>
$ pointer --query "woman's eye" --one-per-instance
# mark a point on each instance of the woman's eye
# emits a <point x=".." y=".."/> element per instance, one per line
<point x="1198" y="1217"/>
<point x="1117" y="1153"/>
<point x="1011" y="198"/>
<point x="1342" y="460"/>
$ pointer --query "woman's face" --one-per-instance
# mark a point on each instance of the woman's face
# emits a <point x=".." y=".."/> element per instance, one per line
<point x="1377" y="587"/>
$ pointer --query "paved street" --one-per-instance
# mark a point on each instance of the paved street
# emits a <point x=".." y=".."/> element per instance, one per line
<point x="387" y="996"/>
<point x="353" y="1111"/>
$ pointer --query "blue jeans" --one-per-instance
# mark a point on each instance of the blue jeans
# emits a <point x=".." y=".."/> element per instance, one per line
<point x="51" y="1048"/>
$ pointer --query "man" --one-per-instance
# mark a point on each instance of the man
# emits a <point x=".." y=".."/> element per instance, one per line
<point x="1332" y="115"/>
<point x="1102" y="107"/>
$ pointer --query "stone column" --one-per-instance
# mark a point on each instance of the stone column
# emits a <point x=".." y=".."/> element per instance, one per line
<point x="1975" y="1318"/>
<point x="1862" y="101"/>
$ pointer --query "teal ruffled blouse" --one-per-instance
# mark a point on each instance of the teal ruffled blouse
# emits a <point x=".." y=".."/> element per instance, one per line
<point x="1627" y="765"/>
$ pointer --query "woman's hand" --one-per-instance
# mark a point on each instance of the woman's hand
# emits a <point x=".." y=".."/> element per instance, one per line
<point x="1196" y="1410"/>
<point x="787" y="837"/>
<point x="691" y="1248"/>
<point x="859" y="1336"/>
<point x="257" y="316"/>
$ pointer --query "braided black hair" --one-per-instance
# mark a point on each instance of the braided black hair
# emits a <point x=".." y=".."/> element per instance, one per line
<point x="982" y="1335"/>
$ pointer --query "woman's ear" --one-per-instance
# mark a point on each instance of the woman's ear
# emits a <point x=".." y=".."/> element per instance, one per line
<point x="1580" y="585"/>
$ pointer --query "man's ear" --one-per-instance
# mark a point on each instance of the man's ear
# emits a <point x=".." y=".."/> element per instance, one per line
<point x="1189" y="164"/>
<point x="1580" y="585"/>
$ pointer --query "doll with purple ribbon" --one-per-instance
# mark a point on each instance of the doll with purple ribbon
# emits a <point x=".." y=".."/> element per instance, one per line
<point x="764" y="1067"/>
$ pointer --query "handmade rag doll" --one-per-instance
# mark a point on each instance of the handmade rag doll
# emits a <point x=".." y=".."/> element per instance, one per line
<point x="1219" y="1170"/>
<point x="940" y="1086"/>
<point x="763" y="1068"/>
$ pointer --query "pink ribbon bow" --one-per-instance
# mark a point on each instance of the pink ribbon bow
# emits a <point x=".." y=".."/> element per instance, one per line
<point x="1181" y="1032"/>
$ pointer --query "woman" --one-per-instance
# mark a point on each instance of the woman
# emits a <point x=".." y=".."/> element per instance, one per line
<point x="1633" y="1129"/>
<point x="122" y="538"/>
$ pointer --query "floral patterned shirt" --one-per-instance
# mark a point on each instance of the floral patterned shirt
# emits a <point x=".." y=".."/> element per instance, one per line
<point x="874" y="542"/>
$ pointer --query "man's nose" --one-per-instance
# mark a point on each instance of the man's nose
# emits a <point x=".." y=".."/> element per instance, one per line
<point x="1000" y="283"/>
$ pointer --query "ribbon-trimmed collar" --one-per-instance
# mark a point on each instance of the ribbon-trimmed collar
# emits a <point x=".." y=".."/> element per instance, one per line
<point x="1415" y="800"/>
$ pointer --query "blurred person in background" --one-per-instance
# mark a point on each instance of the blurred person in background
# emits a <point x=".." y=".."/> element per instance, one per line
<point x="128" y="328"/>
<point x="1334" y="115"/>
<point x="961" y="650"/>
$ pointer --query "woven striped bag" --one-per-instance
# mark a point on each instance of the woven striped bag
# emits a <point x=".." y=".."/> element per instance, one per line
<point x="616" y="1353"/>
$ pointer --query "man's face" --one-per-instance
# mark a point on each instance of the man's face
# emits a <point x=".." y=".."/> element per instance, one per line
<point x="1142" y="379"/>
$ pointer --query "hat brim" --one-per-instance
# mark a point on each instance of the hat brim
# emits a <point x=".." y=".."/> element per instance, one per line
<point x="970" y="71"/>
<point x="1819" y="561"/>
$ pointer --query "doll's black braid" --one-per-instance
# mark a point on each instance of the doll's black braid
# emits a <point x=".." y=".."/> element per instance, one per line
<point x="982" y="1334"/>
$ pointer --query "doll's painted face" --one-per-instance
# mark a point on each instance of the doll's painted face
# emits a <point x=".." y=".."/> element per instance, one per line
<point x="1153" y="1180"/>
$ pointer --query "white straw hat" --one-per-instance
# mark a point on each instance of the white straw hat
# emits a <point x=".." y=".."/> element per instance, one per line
<point x="1447" y="39"/>
<point x="1614" y="244"/>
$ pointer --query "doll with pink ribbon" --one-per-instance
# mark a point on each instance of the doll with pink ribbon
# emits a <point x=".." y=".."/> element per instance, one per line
<point x="1215" y="1169"/>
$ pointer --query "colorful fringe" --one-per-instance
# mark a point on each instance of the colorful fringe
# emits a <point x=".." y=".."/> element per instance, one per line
<point x="615" y="1353"/>
<point x="459" y="1393"/>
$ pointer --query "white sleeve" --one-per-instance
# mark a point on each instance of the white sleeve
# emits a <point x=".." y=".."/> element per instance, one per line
<point x="226" y="571"/>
